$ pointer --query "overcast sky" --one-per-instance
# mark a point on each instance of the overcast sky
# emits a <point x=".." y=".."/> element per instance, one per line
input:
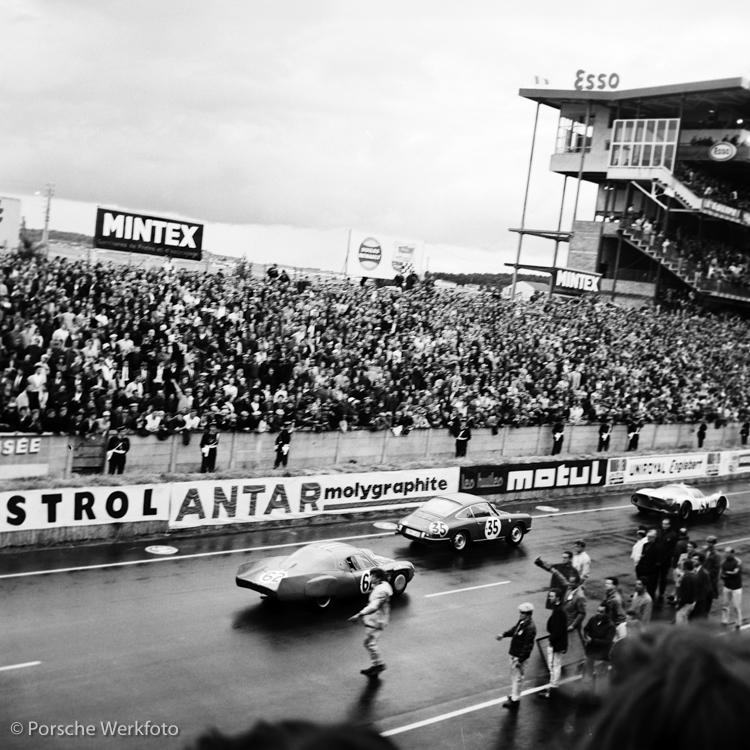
<point x="395" y="117"/>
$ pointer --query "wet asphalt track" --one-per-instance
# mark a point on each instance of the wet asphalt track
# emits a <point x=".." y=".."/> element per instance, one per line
<point x="174" y="640"/>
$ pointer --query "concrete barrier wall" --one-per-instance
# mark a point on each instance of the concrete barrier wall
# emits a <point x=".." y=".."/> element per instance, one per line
<point x="255" y="452"/>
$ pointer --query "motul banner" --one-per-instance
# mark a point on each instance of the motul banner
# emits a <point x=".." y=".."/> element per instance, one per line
<point x="134" y="233"/>
<point x="504" y="478"/>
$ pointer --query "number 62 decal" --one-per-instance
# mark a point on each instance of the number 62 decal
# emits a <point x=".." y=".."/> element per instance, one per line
<point x="365" y="583"/>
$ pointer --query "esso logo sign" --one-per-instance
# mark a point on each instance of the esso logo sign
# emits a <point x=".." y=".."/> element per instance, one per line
<point x="438" y="528"/>
<point x="722" y="151"/>
<point x="588" y="81"/>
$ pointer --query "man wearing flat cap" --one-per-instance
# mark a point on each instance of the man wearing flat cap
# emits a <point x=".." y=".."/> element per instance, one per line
<point x="522" y="636"/>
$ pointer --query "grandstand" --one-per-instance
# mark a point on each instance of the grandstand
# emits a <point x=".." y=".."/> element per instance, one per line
<point x="671" y="163"/>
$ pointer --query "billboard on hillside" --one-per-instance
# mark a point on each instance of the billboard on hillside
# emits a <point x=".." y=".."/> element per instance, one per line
<point x="10" y="223"/>
<point x="136" y="233"/>
<point x="379" y="256"/>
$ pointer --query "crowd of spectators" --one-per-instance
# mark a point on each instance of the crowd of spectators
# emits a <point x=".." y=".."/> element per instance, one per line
<point x="85" y="348"/>
<point x="735" y="194"/>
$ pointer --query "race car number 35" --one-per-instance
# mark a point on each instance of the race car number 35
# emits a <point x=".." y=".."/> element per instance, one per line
<point x="492" y="528"/>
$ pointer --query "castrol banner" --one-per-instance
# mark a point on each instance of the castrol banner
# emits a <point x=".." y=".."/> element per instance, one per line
<point x="230" y="501"/>
<point x="25" y="510"/>
<point x="662" y="468"/>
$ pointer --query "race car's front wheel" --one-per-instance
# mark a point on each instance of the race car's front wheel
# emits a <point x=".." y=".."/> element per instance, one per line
<point x="721" y="506"/>
<point x="460" y="541"/>
<point x="685" y="510"/>
<point x="515" y="535"/>
<point x="399" y="583"/>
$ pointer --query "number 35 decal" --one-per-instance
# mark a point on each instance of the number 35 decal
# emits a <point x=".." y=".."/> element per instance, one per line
<point x="492" y="528"/>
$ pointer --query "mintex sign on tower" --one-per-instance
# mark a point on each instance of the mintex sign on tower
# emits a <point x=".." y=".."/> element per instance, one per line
<point x="134" y="233"/>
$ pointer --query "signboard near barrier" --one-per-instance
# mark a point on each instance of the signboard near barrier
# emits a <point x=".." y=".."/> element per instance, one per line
<point x="24" y="455"/>
<point x="735" y="462"/>
<point x="252" y="500"/>
<point x="675" y="468"/>
<point x="504" y="478"/>
<point x="26" y="510"/>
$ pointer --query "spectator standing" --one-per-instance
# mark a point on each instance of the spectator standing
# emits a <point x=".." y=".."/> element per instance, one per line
<point x="637" y="550"/>
<point x="522" y="635"/>
<point x="581" y="561"/>
<point x="641" y="603"/>
<point x="574" y="605"/>
<point x="283" y="439"/>
<point x="209" y="449"/>
<point x="615" y="606"/>
<point x="117" y="451"/>
<point x="703" y="589"/>
<point x="685" y="594"/>
<point x="558" y="434"/>
<point x="557" y="628"/>
<point x="605" y="433"/>
<point x="375" y="616"/>
<point x="731" y="595"/>
<point x="647" y="568"/>
<point x="634" y="432"/>
<point x="713" y="566"/>
<point x="744" y="432"/>
<point x="462" y="438"/>
<point x="598" y="637"/>
<point x="561" y="573"/>
<point x="701" y="433"/>
<point x="666" y="541"/>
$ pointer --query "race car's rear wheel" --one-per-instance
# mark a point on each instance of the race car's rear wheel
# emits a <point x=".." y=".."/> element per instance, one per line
<point x="399" y="582"/>
<point x="323" y="601"/>
<point x="460" y="541"/>
<point x="721" y="506"/>
<point x="685" y="510"/>
<point x="515" y="535"/>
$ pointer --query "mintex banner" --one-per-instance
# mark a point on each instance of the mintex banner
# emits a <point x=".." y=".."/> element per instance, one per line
<point x="662" y="468"/>
<point x="134" y="233"/>
<point x="498" y="479"/>
<point x="51" y="509"/>
<point x="251" y="500"/>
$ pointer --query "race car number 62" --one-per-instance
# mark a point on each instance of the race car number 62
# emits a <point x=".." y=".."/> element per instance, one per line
<point x="273" y="576"/>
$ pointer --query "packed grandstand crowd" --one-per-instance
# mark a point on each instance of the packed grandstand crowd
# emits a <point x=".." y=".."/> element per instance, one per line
<point x="87" y="348"/>
<point x="734" y="194"/>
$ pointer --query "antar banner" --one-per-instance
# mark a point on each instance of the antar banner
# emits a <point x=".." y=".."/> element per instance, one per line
<point x="133" y="233"/>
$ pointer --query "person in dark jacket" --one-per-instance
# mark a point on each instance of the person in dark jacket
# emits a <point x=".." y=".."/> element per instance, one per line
<point x="685" y="595"/>
<point x="598" y="637"/>
<point x="209" y="449"/>
<point x="557" y="437"/>
<point x="703" y="588"/>
<point x="117" y="451"/>
<point x="666" y="541"/>
<point x="283" y="439"/>
<point x="605" y="433"/>
<point x="462" y="438"/>
<point x="744" y="432"/>
<point x="648" y="568"/>
<point x="522" y="635"/>
<point x="557" y="628"/>
<point x="562" y="572"/>
<point x="702" y="429"/>
<point x="713" y="566"/>
<point x="634" y="432"/>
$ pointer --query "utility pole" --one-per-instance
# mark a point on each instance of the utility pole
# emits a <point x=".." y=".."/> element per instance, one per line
<point x="45" y="233"/>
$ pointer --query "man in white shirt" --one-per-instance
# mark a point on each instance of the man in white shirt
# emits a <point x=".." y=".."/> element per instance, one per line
<point x="375" y="617"/>
<point x="581" y="561"/>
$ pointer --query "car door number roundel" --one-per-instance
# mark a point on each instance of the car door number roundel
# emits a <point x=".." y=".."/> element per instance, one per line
<point x="438" y="528"/>
<point x="492" y="528"/>
<point x="272" y="576"/>
<point x="365" y="583"/>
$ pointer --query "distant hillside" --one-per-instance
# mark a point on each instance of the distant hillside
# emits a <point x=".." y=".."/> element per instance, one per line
<point x="35" y="235"/>
<point x="492" y="280"/>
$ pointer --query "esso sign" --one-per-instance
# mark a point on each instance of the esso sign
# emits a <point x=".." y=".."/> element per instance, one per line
<point x="588" y="81"/>
<point x="722" y="151"/>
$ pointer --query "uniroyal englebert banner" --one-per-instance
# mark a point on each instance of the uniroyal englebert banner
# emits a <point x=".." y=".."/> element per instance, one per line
<point x="378" y="256"/>
<point x="56" y="508"/>
<point x="252" y="500"/>
<point x="735" y="462"/>
<point x="672" y="468"/>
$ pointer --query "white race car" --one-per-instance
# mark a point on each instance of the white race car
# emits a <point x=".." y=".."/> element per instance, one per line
<point x="679" y="500"/>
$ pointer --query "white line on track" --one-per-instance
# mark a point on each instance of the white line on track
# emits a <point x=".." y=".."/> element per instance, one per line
<point x="103" y="566"/>
<point x="470" y="588"/>
<point x="467" y="710"/>
<point x="184" y="557"/>
<point x="20" y="666"/>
